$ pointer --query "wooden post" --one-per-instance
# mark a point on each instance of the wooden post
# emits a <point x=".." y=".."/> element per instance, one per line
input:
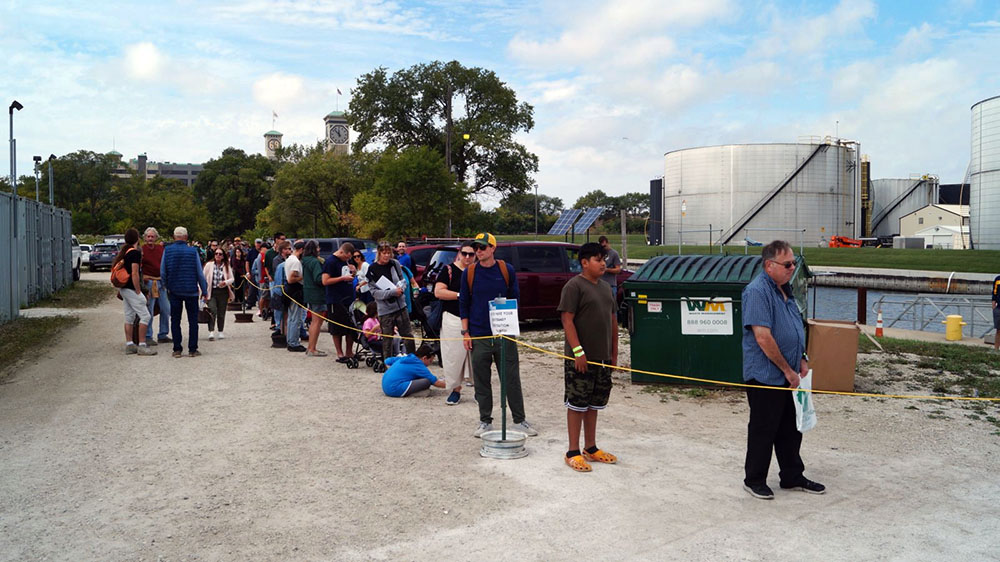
<point x="862" y="305"/>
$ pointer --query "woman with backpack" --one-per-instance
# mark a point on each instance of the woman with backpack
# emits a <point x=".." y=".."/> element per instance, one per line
<point x="454" y="356"/>
<point x="126" y="276"/>
<point x="219" y="276"/>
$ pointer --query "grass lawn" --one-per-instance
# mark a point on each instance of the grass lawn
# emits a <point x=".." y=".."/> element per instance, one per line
<point x="975" y="365"/>
<point x="972" y="261"/>
<point x="80" y="294"/>
<point x="22" y="335"/>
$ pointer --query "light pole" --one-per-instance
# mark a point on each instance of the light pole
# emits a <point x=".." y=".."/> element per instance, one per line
<point x="13" y="147"/>
<point x="536" y="211"/>
<point x="38" y="171"/>
<point x="51" y="181"/>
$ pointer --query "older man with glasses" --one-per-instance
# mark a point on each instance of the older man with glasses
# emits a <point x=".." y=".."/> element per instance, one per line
<point x="774" y="344"/>
<point x="152" y="255"/>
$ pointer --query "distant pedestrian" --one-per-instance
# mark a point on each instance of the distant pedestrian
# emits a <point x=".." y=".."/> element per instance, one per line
<point x="613" y="266"/>
<point x="402" y="257"/>
<point x="184" y="279"/>
<point x="220" y="280"/>
<point x="239" y="265"/>
<point x="590" y="322"/>
<point x="773" y="356"/>
<point x="314" y="294"/>
<point x="492" y="278"/>
<point x="338" y="280"/>
<point x="293" y="293"/>
<point x="156" y="293"/>
<point x="134" y="302"/>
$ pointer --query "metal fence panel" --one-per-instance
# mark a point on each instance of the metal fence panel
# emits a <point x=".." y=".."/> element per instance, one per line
<point x="35" y="252"/>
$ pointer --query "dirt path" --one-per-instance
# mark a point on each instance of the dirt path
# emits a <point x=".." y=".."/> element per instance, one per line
<point x="249" y="453"/>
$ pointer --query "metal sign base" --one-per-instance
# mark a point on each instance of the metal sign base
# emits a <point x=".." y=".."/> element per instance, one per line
<point x="496" y="447"/>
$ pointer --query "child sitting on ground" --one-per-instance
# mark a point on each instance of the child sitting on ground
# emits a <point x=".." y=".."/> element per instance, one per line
<point x="409" y="374"/>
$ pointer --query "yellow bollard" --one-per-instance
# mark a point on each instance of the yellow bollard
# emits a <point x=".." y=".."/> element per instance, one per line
<point x="953" y="327"/>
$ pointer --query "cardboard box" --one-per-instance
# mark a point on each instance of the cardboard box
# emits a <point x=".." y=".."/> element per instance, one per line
<point x="833" y="354"/>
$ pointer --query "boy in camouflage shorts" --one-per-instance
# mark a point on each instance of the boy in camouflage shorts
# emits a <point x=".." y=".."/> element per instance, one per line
<point x="587" y="310"/>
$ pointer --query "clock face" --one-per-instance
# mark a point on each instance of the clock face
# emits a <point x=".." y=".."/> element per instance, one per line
<point x="338" y="134"/>
<point x="273" y="144"/>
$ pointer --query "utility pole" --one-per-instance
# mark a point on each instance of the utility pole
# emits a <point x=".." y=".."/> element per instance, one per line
<point x="52" y="199"/>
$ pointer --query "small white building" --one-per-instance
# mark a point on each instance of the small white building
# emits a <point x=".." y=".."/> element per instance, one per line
<point x="945" y="237"/>
<point x="934" y="215"/>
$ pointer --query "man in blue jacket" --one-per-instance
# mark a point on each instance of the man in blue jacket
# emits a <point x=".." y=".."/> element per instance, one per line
<point x="181" y="274"/>
<point x="488" y="283"/>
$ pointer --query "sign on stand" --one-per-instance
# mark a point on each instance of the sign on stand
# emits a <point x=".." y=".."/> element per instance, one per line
<point x="503" y="317"/>
<point x="704" y="316"/>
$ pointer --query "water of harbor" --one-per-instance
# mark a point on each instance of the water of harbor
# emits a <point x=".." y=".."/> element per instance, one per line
<point x="835" y="303"/>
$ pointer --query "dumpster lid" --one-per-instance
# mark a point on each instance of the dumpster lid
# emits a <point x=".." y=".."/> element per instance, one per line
<point x="706" y="269"/>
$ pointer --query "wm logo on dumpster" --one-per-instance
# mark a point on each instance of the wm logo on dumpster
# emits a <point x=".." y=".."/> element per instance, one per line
<point x="705" y="306"/>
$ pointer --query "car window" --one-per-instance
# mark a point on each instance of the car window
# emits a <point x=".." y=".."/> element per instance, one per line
<point x="574" y="264"/>
<point x="421" y="257"/>
<point x="540" y="259"/>
<point x="505" y="253"/>
<point x="107" y="248"/>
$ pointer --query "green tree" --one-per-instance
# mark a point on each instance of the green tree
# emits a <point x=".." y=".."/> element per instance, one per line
<point x="234" y="188"/>
<point x="83" y="184"/>
<point x="635" y="203"/>
<point x="313" y="192"/>
<point x="163" y="204"/>
<point x="412" y="195"/>
<point x="516" y="213"/>
<point x="437" y="105"/>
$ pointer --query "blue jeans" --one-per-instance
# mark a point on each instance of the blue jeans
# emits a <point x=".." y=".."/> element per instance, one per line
<point x="296" y="314"/>
<point x="177" y="305"/>
<point x="164" y="301"/>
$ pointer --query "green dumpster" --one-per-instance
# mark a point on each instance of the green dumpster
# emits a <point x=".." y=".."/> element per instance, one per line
<point x="685" y="315"/>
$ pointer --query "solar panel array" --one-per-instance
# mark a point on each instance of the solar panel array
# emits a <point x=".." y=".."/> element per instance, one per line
<point x="587" y="219"/>
<point x="565" y="221"/>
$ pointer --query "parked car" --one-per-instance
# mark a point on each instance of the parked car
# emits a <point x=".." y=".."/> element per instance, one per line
<point x="420" y="256"/>
<point x="75" y="257"/>
<point x="85" y="254"/>
<point x="102" y="255"/>
<point x="542" y="270"/>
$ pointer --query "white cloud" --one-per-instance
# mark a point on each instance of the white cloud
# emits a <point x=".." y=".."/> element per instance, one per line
<point x="807" y="35"/>
<point x="278" y="89"/>
<point x="144" y="61"/>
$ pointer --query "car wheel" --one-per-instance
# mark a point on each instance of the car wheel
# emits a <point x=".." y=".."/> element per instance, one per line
<point x="76" y="273"/>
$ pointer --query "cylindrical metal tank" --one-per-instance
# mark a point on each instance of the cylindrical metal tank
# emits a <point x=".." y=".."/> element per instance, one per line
<point x="984" y="175"/>
<point x="892" y="198"/>
<point x="756" y="190"/>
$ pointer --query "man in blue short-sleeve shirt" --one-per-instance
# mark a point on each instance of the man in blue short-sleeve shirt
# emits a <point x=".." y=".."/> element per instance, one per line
<point x="774" y="344"/>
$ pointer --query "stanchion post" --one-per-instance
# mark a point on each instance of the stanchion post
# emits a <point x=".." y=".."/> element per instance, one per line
<point x="503" y="387"/>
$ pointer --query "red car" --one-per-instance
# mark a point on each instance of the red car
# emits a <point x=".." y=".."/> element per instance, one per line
<point x="542" y="270"/>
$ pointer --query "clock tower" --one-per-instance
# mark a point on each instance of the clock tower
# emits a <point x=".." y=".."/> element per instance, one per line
<point x="272" y="142"/>
<point x="337" y="135"/>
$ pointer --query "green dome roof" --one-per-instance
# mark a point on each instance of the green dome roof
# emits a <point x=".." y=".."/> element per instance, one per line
<point x="272" y="133"/>
<point x="114" y="153"/>
<point x="336" y="114"/>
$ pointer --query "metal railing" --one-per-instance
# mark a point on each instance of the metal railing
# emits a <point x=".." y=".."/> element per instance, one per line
<point x="922" y="310"/>
<point x="35" y="253"/>
<point x="747" y="231"/>
<point x="709" y="230"/>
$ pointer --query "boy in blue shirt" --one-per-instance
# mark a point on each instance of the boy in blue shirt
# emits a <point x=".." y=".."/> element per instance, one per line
<point x="408" y="374"/>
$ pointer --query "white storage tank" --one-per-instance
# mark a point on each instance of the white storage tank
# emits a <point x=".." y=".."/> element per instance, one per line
<point x="893" y="198"/>
<point x="984" y="175"/>
<point x="812" y="186"/>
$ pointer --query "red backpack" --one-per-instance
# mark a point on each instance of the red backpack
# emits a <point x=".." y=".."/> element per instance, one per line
<point x="119" y="276"/>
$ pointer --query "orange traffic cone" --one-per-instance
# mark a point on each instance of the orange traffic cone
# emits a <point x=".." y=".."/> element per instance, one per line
<point x="878" y="325"/>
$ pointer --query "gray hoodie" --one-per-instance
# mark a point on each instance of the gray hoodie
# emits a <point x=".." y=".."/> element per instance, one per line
<point x="387" y="300"/>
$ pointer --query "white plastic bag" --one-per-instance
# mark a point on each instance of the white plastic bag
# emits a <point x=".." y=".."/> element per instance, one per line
<point x="805" y="413"/>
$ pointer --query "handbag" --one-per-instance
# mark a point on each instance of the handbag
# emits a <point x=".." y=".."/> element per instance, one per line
<point x="805" y="412"/>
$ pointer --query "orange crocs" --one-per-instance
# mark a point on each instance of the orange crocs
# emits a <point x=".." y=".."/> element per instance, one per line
<point x="577" y="463"/>
<point x="600" y="456"/>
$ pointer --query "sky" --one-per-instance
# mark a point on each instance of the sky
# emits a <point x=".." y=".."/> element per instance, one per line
<point x="614" y="85"/>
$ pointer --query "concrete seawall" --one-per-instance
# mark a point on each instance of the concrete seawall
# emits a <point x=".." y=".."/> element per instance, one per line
<point x="904" y="280"/>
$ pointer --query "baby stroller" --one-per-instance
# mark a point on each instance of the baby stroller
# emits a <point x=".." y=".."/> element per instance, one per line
<point x="363" y="348"/>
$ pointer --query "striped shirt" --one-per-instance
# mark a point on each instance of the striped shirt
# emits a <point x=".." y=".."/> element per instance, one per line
<point x="763" y="305"/>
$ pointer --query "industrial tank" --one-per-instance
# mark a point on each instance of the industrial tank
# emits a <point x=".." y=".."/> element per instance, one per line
<point x="892" y="198"/>
<point x="984" y="175"/>
<point x="812" y="186"/>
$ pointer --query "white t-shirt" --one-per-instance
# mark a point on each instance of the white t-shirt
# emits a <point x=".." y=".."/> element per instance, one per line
<point x="363" y="277"/>
<point x="292" y="263"/>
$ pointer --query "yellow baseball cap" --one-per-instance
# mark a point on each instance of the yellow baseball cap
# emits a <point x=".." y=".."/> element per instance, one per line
<point x="485" y="238"/>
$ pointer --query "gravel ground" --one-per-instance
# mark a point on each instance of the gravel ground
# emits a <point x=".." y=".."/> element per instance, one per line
<point x="250" y="453"/>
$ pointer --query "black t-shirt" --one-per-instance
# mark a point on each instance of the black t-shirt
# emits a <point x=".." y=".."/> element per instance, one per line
<point x="451" y="275"/>
<point x="131" y="257"/>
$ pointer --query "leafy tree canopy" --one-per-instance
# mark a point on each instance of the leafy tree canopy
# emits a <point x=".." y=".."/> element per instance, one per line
<point x="234" y="188"/>
<point x="163" y="204"/>
<point x="413" y="107"/>
<point x="412" y="195"/>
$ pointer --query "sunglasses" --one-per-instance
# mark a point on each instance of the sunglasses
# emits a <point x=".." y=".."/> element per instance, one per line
<point x="218" y="253"/>
<point x="784" y="264"/>
<point x="478" y="247"/>
<point x="469" y="254"/>
<point x="356" y="256"/>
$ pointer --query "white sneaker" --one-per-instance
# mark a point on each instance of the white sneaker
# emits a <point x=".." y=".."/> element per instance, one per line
<point x="211" y="336"/>
<point x="525" y="428"/>
<point x="222" y="336"/>
<point x="482" y="428"/>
